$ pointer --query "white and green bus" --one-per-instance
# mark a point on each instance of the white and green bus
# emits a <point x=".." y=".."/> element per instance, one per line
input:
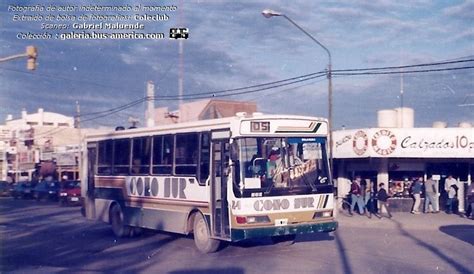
<point x="225" y="179"/>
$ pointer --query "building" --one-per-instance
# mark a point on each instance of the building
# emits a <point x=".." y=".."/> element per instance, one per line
<point x="203" y="110"/>
<point x="395" y="153"/>
<point x="30" y="143"/>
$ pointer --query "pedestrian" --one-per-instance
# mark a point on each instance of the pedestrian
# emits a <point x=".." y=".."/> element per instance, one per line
<point x="470" y="201"/>
<point x="431" y="196"/>
<point x="366" y="191"/>
<point x="382" y="197"/>
<point x="356" y="197"/>
<point x="451" y="198"/>
<point x="416" y="191"/>
<point x="449" y="182"/>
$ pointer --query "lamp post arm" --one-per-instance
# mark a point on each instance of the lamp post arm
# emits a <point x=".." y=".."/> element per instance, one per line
<point x="330" y="124"/>
<point x="310" y="36"/>
<point x="8" y="58"/>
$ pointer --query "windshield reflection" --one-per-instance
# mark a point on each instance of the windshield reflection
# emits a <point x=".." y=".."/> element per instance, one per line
<point x="273" y="165"/>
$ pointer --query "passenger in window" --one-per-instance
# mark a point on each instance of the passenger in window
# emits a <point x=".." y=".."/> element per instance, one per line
<point x="274" y="160"/>
<point x="136" y="163"/>
<point x="275" y="169"/>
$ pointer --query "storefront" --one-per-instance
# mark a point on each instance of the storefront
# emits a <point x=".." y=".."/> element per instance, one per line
<point x="399" y="155"/>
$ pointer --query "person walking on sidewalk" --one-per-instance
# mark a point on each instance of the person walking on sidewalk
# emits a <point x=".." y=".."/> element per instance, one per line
<point x="470" y="201"/>
<point x="382" y="197"/>
<point x="356" y="197"/>
<point x="367" y="191"/>
<point x="431" y="196"/>
<point x="451" y="198"/>
<point x="416" y="191"/>
<point x="449" y="182"/>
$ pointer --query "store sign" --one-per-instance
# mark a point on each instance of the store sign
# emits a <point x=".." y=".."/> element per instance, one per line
<point x="405" y="142"/>
<point x="65" y="159"/>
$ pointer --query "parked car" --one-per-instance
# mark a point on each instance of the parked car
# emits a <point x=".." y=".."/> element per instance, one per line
<point x="23" y="190"/>
<point x="70" y="193"/>
<point x="46" y="190"/>
<point x="5" y="188"/>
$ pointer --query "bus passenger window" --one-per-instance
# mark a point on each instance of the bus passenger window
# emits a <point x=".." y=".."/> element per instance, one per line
<point x="187" y="146"/>
<point x="141" y="154"/>
<point x="104" y="155"/>
<point x="163" y="154"/>
<point x="121" y="158"/>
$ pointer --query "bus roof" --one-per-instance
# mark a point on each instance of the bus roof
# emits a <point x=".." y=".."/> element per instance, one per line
<point x="201" y="125"/>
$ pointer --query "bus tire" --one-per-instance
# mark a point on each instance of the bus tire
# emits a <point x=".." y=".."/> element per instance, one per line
<point x="116" y="220"/>
<point x="202" y="236"/>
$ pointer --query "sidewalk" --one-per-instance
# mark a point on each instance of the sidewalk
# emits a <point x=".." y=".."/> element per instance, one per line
<point x="407" y="220"/>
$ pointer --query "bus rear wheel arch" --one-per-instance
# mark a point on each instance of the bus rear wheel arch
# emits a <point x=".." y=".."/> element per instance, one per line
<point x="202" y="235"/>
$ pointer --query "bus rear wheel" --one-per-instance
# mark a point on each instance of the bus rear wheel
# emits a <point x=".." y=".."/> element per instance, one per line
<point x="202" y="236"/>
<point x="116" y="220"/>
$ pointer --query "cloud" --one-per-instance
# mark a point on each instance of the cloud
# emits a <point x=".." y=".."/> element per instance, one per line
<point x="461" y="11"/>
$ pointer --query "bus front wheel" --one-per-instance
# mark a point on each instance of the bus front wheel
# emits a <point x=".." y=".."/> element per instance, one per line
<point x="202" y="236"/>
<point x="116" y="220"/>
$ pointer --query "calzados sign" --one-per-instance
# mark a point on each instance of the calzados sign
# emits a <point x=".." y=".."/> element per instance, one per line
<point x="444" y="143"/>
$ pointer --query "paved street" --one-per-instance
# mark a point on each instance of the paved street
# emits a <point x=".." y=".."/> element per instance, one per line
<point x="45" y="238"/>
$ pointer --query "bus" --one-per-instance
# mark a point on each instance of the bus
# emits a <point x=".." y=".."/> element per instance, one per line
<point x="223" y="180"/>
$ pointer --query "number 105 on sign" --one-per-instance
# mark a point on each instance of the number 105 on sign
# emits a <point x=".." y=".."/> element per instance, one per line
<point x="259" y="126"/>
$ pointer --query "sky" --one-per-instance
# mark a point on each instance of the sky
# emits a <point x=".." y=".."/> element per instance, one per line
<point x="231" y="45"/>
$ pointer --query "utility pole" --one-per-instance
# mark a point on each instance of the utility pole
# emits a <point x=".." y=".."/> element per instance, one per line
<point x="78" y="127"/>
<point x="78" y="115"/>
<point x="150" y="111"/>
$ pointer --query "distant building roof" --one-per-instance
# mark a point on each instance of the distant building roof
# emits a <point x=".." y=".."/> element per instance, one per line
<point x="203" y="110"/>
<point x="41" y="118"/>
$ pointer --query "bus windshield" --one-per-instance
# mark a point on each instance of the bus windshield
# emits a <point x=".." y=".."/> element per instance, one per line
<point x="281" y="166"/>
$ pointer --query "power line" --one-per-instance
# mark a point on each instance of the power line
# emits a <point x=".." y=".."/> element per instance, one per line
<point x="225" y="93"/>
<point x="265" y="86"/>
<point x="406" y="66"/>
<point x="401" y="72"/>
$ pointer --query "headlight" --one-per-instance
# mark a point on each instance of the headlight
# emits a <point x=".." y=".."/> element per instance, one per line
<point x="322" y="214"/>
<point x="62" y="194"/>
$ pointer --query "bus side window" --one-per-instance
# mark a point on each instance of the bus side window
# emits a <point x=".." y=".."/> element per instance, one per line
<point x="187" y="146"/>
<point x="141" y="153"/>
<point x="163" y="154"/>
<point x="121" y="158"/>
<point x="204" y="160"/>
<point x="104" y="155"/>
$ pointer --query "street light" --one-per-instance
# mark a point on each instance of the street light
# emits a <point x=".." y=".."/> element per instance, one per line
<point x="267" y="13"/>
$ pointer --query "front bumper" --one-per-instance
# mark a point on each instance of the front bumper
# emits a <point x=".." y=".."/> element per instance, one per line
<point x="248" y="233"/>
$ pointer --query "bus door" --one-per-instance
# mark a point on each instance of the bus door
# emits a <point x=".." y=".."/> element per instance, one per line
<point x="219" y="174"/>
<point x="89" y="198"/>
